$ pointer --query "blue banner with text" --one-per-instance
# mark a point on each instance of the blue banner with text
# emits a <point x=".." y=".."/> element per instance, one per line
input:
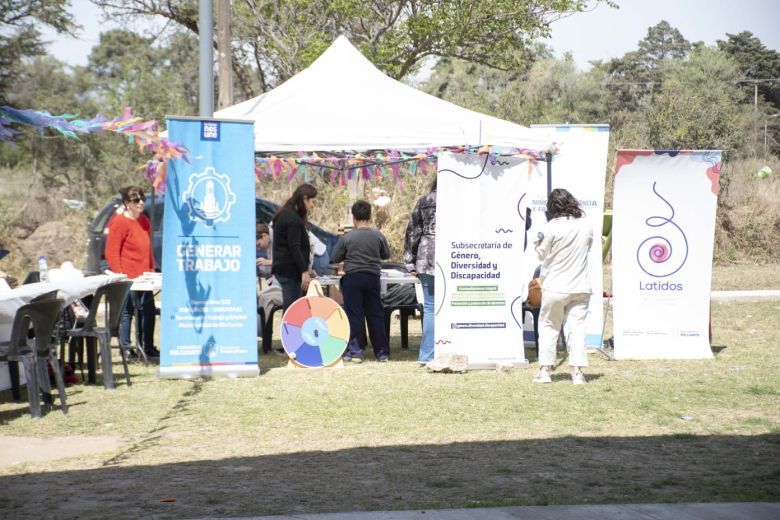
<point x="208" y="317"/>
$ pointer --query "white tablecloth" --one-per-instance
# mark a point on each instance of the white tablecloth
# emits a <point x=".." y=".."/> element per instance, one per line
<point x="387" y="277"/>
<point x="68" y="290"/>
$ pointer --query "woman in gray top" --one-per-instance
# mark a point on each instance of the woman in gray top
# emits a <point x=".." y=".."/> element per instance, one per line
<point x="362" y="250"/>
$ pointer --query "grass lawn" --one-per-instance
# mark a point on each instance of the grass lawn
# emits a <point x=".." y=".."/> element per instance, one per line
<point x="393" y="436"/>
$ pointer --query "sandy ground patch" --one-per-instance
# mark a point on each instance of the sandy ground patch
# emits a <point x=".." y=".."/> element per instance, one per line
<point x="17" y="450"/>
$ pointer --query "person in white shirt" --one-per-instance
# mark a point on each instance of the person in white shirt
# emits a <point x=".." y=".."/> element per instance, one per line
<point x="562" y="247"/>
<point x="319" y="259"/>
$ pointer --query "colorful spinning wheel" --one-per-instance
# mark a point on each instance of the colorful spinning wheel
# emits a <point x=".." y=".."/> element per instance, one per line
<point x="315" y="331"/>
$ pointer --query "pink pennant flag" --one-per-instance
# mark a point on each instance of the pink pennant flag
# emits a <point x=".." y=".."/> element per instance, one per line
<point x="293" y="172"/>
<point x="277" y="167"/>
<point x="162" y="171"/>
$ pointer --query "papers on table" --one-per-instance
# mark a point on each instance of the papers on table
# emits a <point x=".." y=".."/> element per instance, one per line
<point x="148" y="281"/>
<point x="66" y="272"/>
<point x="394" y="273"/>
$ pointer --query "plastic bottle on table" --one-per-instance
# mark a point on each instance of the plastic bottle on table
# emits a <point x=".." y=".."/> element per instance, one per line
<point x="43" y="268"/>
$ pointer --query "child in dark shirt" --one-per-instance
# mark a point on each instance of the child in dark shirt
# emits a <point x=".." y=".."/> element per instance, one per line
<point x="362" y="250"/>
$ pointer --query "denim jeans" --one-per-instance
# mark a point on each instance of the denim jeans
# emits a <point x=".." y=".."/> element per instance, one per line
<point x="291" y="290"/>
<point x="144" y="300"/>
<point x="426" y="345"/>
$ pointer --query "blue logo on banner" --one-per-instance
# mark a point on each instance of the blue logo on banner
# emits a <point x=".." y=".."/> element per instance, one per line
<point x="209" y="131"/>
<point x="209" y="197"/>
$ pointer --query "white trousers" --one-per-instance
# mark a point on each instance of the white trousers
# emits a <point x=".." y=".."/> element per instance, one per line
<point x="568" y="311"/>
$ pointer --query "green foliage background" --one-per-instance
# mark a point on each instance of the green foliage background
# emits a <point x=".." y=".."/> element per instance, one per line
<point x="667" y="93"/>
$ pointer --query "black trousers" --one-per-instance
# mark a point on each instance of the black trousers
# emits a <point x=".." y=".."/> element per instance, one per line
<point x="362" y="303"/>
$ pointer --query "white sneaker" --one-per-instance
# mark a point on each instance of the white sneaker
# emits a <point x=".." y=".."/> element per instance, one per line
<point x="542" y="376"/>
<point x="578" y="378"/>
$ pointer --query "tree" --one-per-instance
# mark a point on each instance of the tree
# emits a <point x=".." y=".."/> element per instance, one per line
<point x="154" y="79"/>
<point x="544" y="90"/>
<point x="637" y="73"/>
<point x="19" y="35"/>
<point x="554" y="91"/>
<point x="756" y="62"/>
<point x="662" y="42"/>
<point x="275" y="39"/>
<point x="469" y="85"/>
<point x="124" y="69"/>
<point x="698" y="105"/>
<point x="47" y="167"/>
<point x="25" y="13"/>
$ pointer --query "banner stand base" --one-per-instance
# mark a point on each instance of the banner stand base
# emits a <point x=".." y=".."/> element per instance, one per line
<point x="607" y="306"/>
<point x="193" y="372"/>
<point x="492" y="365"/>
<point x="608" y="344"/>
<point x="337" y="364"/>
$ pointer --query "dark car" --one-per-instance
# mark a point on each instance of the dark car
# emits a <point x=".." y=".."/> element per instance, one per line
<point x="95" y="261"/>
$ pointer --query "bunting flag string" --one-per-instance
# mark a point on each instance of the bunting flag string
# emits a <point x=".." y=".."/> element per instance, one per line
<point x="378" y="165"/>
<point x="341" y="168"/>
<point x="145" y="134"/>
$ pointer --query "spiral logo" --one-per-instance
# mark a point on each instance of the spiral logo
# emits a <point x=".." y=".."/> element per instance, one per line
<point x="663" y="254"/>
<point x="659" y="252"/>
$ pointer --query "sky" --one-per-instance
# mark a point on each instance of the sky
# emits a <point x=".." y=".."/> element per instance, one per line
<point x="606" y="33"/>
<point x="602" y="33"/>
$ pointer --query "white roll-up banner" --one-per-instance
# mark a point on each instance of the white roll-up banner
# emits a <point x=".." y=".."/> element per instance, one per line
<point x="662" y="240"/>
<point x="480" y="232"/>
<point x="580" y="166"/>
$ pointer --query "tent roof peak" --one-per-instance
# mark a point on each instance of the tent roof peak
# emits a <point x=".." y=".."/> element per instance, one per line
<point x="343" y="102"/>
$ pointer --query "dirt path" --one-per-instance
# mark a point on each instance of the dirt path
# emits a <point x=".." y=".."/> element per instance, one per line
<point x="18" y="450"/>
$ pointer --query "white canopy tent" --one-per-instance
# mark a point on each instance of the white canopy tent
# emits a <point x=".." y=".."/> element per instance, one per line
<point x="342" y="102"/>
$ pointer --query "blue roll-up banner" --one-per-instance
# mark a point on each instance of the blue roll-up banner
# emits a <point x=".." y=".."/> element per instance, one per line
<point x="209" y="318"/>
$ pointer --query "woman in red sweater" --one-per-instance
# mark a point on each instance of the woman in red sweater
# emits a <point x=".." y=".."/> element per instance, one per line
<point x="129" y="251"/>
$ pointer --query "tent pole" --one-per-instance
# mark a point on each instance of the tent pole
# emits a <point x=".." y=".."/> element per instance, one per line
<point x="206" y="53"/>
<point x="548" y="158"/>
<point x="152" y="208"/>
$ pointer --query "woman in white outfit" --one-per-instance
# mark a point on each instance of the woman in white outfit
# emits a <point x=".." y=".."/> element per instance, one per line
<point x="562" y="247"/>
